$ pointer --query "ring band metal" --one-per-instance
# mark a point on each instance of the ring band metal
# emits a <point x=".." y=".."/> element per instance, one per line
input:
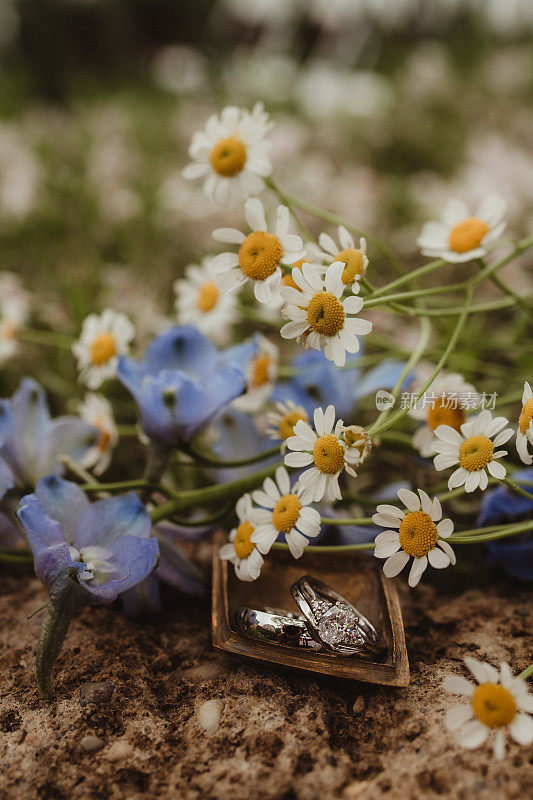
<point x="334" y="621"/>
<point x="275" y="627"/>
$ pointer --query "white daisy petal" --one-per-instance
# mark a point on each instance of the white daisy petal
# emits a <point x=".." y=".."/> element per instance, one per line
<point x="472" y="735"/>
<point x="457" y="716"/>
<point x="409" y="499"/>
<point x="395" y="563"/>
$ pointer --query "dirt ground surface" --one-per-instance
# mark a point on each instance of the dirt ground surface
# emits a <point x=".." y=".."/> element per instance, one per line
<point x="268" y="734"/>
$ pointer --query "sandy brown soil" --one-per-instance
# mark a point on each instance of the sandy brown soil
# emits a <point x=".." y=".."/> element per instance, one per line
<point x="281" y="735"/>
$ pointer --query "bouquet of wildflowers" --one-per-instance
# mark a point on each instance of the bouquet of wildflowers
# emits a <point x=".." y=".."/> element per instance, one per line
<point x="284" y="407"/>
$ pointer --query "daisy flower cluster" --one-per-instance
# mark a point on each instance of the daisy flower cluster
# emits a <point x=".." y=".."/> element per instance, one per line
<point x="255" y="382"/>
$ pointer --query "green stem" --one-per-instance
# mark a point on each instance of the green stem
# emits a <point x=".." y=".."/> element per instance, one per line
<point x="211" y="460"/>
<point x="517" y="489"/>
<point x="375" y="429"/>
<point x="345" y="521"/>
<point x="416" y="355"/>
<point x="15" y="557"/>
<point x="67" y="597"/>
<point x="526" y="673"/>
<point x="386" y="251"/>
<point x="474" y="536"/>
<point x="47" y="338"/>
<point x="125" y="486"/>
<point x="211" y="494"/>
<point x="319" y="548"/>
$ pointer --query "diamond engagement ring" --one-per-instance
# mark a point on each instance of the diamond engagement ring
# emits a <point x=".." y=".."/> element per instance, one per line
<point x="327" y="622"/>
<point x="334" y="622"/>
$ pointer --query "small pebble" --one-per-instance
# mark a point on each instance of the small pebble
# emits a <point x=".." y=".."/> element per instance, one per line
<point x="359" y="705"/>
<point x="209" y="714"/>
<point x="205" y="672"/>
<point x="91" y="743"/>
<point x="93" y="694"/>
<point x="118" y="751"/>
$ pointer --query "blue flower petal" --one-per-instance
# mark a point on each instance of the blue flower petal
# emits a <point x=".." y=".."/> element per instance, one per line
<point x="383" y="376"/>
<point x="135" y="559"/>
<point x="63" y="501"/>
<point x="105" y="521"/>
<point x="7" y="480"/>
<point x="6" y="420"/>
<point x="30" y="418"/>
<point x="236" y="437"/>
<point x="41" y="531"/>
<point x="51" y="562"/>
<point x="181" y="348"/>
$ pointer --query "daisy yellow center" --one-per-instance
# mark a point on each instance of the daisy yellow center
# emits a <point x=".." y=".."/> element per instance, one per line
<point x="325" y="314"/>
<point x="207" y="297"/>
<point x="357" y="437"/>
<point x="440" y="414"/>
<point x="104" y="437"/>
<point x="286" y="513"/>
<point x="354" y="265"/>
<point x="8" y="329"/>
<point x="243" y="546"/>
<point x="493" y="705"/>
<point x="475" y="453"/>
<point x="288" y="280"/>
<point x="467" y="235"/>
<point x="260" y="255"/>
<point x="328" y="454"/>
<point x="260" y="370"/>
<point x="102" y="348"/>
<point x="228" y="157"/>
<point x="526" y="415"/>
<point x="418" y="534"/>
<point x="287" y="423"/>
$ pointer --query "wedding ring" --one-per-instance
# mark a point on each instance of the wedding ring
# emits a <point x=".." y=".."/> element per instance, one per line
<point x="275" y="627"/>
<point x="334" y="622"/>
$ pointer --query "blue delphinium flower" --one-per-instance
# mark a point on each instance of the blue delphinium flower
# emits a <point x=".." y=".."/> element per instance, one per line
<point x="84" y="554"/>
<point x="320" y="383"/>
<point x="31" y="441"/>
<point x="182" y="382"/>
<point x="107" y="543"/>
<point x="502" y="506"/>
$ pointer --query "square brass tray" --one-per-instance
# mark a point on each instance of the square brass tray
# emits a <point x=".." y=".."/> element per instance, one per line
<point x="356" y="576"/>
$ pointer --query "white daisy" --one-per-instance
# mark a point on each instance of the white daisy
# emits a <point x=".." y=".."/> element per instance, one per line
<point x="524" y="434"/>
<point x="260" y="253"/>
<point x="200" y="302"/>
<point x="284" y="510"/>
<point x="443" y="403"/>
<point x="261" y="373"/>
<point x="359" y="439"/>
<point x="354" y="258"/>
<point x="461" y="237"/>
<point x="240" y="550"/>
<point x="282" y="420"/>
<point x="103" y="339"/>
<point x="473" y="449"/>
<point x="97" y="411"/>
<point x="326" y="450"/>
<point x="14" y="313"/>
<point x="231" y="153"/>
<point x="419" y="535"/>
<point x="499" y="703"/>
<point x="320" y="317"/>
